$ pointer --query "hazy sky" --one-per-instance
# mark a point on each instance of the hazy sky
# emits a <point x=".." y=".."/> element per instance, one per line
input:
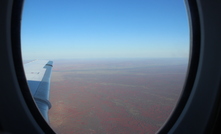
<point x="59" y="29"/>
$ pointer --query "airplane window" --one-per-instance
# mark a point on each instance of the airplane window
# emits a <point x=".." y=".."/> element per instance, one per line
<point x="119" y="65"/>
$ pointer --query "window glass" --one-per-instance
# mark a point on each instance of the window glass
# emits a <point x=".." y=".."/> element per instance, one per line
<point x="119" y="65"/>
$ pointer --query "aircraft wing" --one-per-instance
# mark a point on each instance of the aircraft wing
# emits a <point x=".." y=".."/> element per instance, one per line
<point x="38" y="75"/>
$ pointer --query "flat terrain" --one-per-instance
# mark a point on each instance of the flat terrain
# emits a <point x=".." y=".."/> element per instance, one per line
<point x="114" y="96"/>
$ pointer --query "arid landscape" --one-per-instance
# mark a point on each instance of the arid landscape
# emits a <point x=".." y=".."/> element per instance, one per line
<point x="114" y="96"/>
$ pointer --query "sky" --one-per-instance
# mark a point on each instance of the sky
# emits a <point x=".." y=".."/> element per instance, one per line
<point x="75" y="29"/>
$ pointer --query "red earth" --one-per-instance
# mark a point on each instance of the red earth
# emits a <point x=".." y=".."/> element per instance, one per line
<point x="114" y="96"/>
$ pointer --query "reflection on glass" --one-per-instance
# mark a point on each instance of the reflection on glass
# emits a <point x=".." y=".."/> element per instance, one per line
<point x="119" y="65"/>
